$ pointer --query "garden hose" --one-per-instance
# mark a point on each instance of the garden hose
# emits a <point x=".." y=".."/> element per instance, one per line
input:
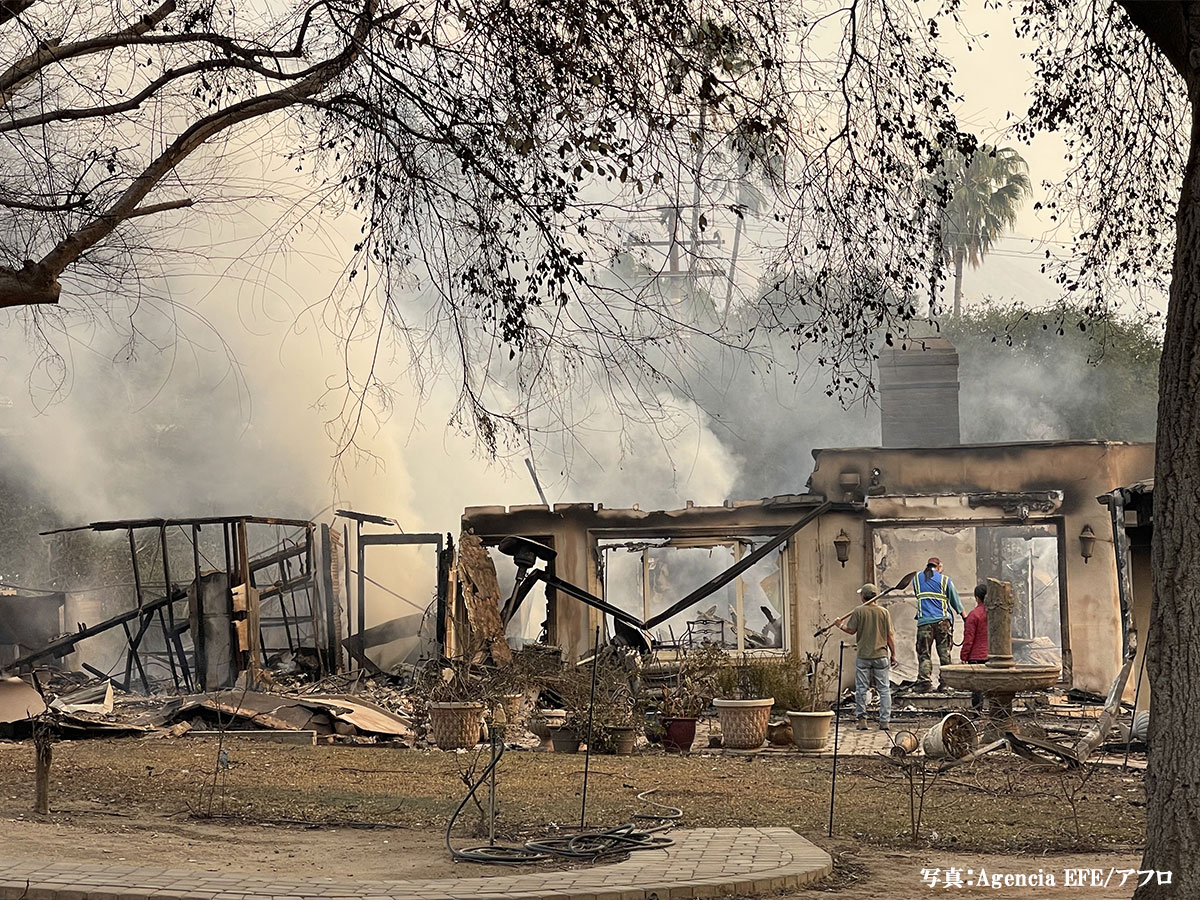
<point x="675" y="811"/>
<point x="587" y="845"/>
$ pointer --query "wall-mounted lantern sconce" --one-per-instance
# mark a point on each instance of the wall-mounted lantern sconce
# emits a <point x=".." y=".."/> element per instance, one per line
<point x="1087" y="543"/>
<point x="841" y="544"/>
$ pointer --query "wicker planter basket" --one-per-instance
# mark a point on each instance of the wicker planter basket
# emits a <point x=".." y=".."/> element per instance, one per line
<point x="455" y="725"/>
<point x="744" y="722"/>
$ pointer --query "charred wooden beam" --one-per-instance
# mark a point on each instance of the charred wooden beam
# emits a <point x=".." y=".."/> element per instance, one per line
<point x="66" y="644"/>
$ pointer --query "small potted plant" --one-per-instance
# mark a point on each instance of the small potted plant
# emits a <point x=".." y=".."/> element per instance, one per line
<point x="534" y="668"/>
<point x="614" y="713"/>
<point x="811" y="716"/>
<point x="678" y="713"/>
<point x="686" y="699"/>
<point x="573" y="686"/>
<point x="567" y="737"/>
<point x="743" y="706"/>
<point x="603" y="713"/>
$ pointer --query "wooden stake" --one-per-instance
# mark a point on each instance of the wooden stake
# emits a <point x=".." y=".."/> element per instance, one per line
<point x="43" y="748"/>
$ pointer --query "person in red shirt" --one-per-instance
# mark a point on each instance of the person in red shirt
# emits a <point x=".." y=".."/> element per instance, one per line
<point x="975" y="640"/>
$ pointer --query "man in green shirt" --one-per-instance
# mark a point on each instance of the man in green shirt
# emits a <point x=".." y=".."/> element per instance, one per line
<point x="872" y="625"/>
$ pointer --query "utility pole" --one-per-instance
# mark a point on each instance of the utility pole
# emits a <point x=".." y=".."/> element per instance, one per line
<point x="674" y="271"/>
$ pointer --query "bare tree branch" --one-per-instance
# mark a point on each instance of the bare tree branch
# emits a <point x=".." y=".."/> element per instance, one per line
<point x="10" y="9"/>
<point x="42" y="276"/>
<point x="150" y="90"/>
<point x="160" y="207"/>
<point x="22" y="70"/>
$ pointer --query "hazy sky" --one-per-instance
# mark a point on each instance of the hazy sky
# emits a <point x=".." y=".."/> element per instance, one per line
<point x="993" y="80"/>
<point x="422" y="473"/>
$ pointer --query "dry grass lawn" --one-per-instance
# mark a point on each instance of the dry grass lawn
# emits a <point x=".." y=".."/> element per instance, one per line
<point x="998" y="804"/>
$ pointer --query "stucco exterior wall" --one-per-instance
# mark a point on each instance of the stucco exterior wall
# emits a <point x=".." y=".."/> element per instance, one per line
<point x="937" y="484"/>
<point x="1055" y="483"/>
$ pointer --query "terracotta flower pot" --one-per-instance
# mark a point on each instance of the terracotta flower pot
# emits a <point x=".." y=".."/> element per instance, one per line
<point x="456" y="725"/>
<point x="744" y="722"/>
<point x="619" y="740"/>
<point x="779" y="734"/>
<point x="810" y="730"/>
<point x="680" y="733"/>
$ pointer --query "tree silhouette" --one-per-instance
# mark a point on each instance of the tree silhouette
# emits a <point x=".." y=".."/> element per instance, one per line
<point x="987" y="189"/>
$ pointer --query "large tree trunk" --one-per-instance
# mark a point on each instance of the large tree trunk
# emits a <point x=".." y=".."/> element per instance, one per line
<point x="1173" y="644"/>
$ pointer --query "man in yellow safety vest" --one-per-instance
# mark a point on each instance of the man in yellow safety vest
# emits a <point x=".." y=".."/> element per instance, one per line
<point x="937" y="601"/>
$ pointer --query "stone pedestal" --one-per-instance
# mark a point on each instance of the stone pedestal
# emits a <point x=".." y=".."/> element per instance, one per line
<point x="1001" y="678"/>
<point x="999" y="604"/>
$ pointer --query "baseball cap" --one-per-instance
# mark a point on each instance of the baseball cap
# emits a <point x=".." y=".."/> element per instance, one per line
<point x="868" y="590"/>
<point x="934" y="561"/>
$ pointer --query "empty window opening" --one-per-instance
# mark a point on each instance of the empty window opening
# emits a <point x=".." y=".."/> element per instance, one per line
<point x="747" y="614"/>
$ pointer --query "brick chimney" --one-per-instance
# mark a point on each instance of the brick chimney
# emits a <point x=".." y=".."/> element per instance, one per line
<point x="918" y="394"/>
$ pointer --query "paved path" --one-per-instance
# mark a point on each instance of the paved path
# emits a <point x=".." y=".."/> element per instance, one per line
<point x="703" y="862"/>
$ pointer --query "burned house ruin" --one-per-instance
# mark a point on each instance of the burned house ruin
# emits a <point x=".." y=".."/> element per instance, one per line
<point x="211" y="598"/>
<point x="1011" y="511"/>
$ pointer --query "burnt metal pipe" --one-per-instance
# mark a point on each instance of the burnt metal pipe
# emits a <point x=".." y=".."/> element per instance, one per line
<point x="837" y="719"/>
<point x="587" y="754"/>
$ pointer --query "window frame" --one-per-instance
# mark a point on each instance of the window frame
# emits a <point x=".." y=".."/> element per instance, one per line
<point x="739" y="543"/>
<point x="1057" y="522"/>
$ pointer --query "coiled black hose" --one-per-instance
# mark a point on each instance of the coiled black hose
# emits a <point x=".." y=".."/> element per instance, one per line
<point x="587" y="845"/>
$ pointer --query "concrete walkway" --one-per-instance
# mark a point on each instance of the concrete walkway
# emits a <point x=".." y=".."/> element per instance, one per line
<point x="703" y="862"/>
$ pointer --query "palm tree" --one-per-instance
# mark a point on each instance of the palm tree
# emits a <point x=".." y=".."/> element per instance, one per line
<point x="986" y="190"/>
<point x="759" y="161"/>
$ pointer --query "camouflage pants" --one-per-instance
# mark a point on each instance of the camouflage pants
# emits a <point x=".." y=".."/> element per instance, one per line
<point x="938" y="633"/>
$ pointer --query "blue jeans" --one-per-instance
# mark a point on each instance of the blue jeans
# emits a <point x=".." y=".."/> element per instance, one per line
<point x="862" y="680"/>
